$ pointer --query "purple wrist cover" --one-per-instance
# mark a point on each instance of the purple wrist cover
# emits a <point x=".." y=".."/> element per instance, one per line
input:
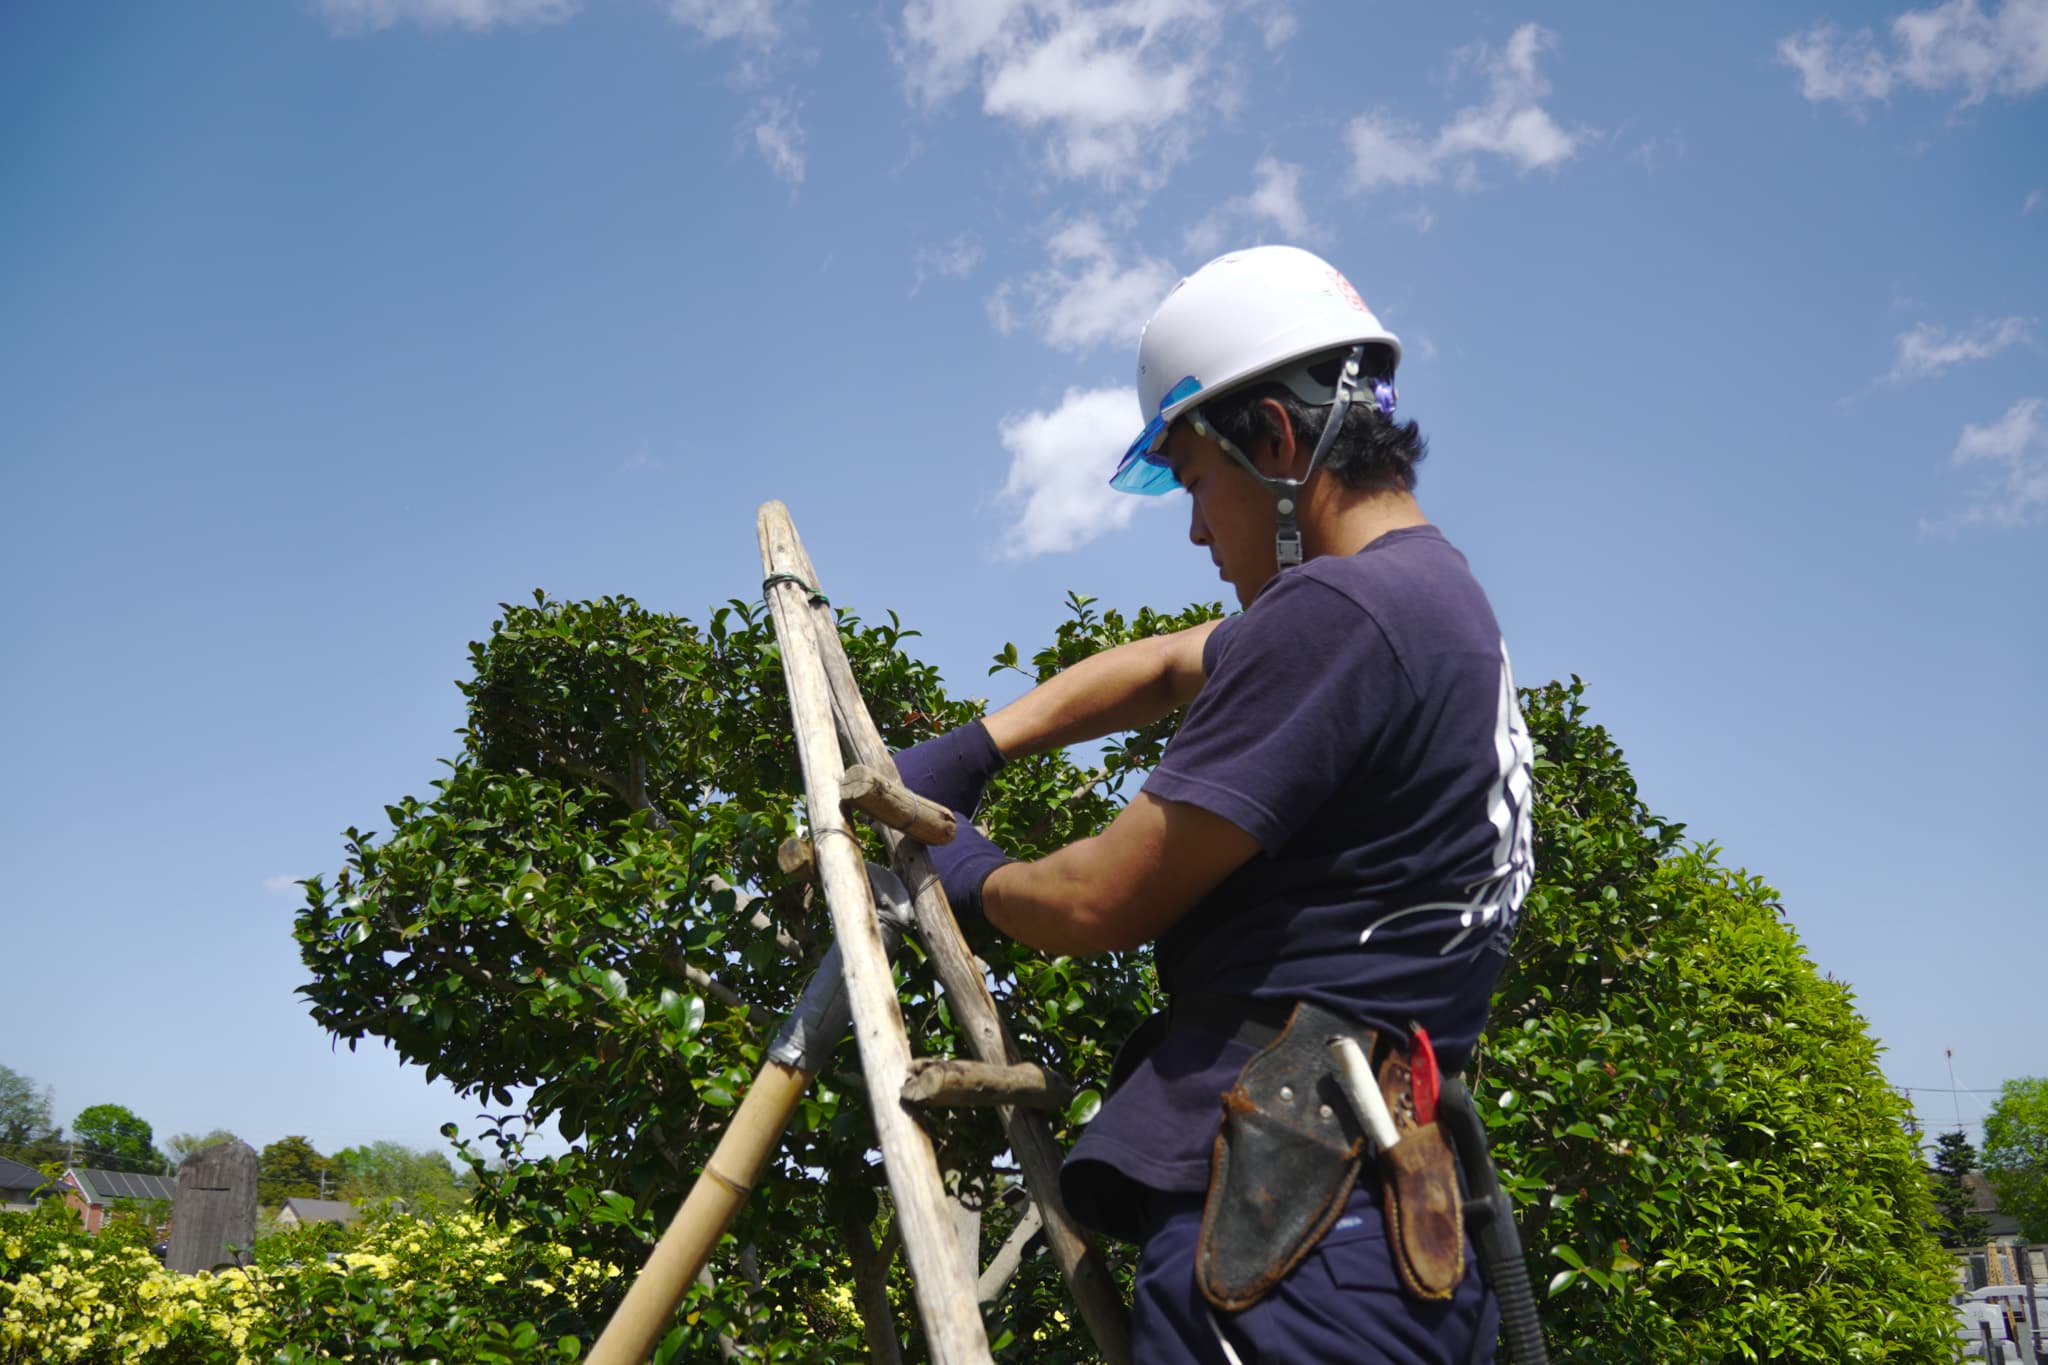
<point x="953" y="769"/>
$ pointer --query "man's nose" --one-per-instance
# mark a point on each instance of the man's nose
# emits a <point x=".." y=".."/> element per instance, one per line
<point x="1198" y="530"/>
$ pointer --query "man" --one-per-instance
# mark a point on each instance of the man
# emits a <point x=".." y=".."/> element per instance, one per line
<point x="1335" y="843"/>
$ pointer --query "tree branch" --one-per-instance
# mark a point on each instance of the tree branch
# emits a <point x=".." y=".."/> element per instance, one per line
<point x="989" y="1287"/>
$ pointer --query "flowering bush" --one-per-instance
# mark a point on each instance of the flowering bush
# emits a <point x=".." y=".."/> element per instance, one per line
<point x="454" y="1289"/>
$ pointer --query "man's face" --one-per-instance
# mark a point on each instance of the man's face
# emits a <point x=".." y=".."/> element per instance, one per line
<point x="1231" y="513"/>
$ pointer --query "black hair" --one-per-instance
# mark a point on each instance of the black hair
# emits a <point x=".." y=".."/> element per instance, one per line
<point x="1372" y="453"/>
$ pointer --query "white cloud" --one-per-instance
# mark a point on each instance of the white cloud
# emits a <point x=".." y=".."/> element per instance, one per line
<point x="1387" y="152"/>
<point x="1113" y="86"/>
<point x="1060" y="463"/>
<point x="1274" y="204"/>
<point x="952" y="260"/>
<point x="1834" y="68"/>
<point x="1275" y="21"/>
<point x="1421" y="218"/>
<point x="281" y="885"/>
<point x="1086" y="295"/>
<point x="1926" y="350"/>
<point x="1953" y="46"/>
<point x="752" y="21"/>
<point x="2033" y="202"/>
<point x="749" y="20"/>
<point x="779" y="138"/>
<point x="1511" y="126"/>
<point x="362" y="16"/>
<point x="2016" y="448"/>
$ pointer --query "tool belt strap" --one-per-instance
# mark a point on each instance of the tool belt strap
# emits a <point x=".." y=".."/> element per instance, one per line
<point x="1259" y="1022"/>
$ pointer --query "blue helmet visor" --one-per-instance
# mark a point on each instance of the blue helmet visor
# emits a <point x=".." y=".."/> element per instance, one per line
<point x="1143" y="469"/>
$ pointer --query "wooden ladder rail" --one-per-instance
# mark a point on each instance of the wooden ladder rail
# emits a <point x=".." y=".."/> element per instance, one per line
<point x="945" y="1290"/>
<point x="791" y="583"/>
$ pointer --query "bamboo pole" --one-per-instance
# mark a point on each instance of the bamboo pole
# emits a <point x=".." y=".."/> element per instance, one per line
<point x="756" y="1130"/>
<point x="945" y="1292"/>
<point x="1095" y="1292"/>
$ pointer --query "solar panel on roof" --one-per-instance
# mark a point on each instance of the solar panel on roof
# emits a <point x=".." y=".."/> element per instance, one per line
<point x="128" y="1185"/>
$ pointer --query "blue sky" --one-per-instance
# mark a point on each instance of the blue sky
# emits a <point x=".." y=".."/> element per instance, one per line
<point x="326" y="327"/>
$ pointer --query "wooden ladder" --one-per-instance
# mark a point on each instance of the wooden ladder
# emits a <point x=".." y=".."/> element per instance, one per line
<point x="826" y="705"/>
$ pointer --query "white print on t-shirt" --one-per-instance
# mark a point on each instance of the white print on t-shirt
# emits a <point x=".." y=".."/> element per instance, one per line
<point x="1496" y="898"/>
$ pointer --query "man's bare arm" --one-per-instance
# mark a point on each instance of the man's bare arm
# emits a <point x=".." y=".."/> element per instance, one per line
<point x="1122" y="887"/>
<point x="1123" y="688"/>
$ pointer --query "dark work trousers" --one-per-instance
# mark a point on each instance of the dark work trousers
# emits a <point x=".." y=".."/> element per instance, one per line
<point x="1343" y="1303"/>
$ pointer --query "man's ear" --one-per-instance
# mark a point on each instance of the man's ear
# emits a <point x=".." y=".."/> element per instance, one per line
<point x="1278" y="451"/>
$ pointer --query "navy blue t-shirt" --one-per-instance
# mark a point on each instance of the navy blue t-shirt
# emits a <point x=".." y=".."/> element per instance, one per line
<point x="1359" y="720"/>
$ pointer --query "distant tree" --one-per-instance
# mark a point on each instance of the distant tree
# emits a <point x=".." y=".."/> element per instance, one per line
<point x="388" y="1170"/>
<point x="24" y="1110"/>
<point x="116" y="1138"/>
<point x="1961" y="1224"/>
<point x="291" y="1168"/>
<point x="2016" y="1154"/>
<point x="182" y="1145"/>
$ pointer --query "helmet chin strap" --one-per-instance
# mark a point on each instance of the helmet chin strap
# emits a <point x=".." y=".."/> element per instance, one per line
<point x="1287" y="492"/>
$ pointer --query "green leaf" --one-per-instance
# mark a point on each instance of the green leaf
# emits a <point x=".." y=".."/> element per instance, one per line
<point x="685" y="1012"/>
<point x="1085" y="1106"/>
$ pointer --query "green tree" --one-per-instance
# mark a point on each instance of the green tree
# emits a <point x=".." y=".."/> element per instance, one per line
<point x="1961" y="1224"/>
<point x="181" y="1145"/>
<point x="291" y="1168"/>
<point x="2016" y="1154"/>
<point x="422" y="1180"/>
<point x="1708" y="1162"/>
<point x="24" y="1110"/>
<point x="117" y="1139"/>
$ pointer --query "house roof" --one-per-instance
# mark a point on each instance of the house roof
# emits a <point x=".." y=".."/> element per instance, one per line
<point x="1985" y="1201"/>
<point x="100" y="1187"/>
<point x="321" y="1210"/>
<point x="15" y="1176"/>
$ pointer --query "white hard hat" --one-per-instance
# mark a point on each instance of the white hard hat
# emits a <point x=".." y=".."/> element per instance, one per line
<point x="1242" y="317"/>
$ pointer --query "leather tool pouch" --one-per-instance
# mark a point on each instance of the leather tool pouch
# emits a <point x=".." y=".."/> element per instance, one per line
<point x="1419" y="1181"/>
<point x="1284" y="1163"/>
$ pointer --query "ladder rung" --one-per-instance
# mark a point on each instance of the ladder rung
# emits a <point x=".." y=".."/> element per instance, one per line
<point x="957" y="1081"/>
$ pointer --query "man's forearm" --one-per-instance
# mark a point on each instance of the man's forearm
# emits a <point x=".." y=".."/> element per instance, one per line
<point x="1123" y="688"/>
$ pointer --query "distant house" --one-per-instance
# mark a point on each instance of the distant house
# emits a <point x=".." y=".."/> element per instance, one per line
<point x="92" y="1193"/>
<point x="297" y="1212"/>
<point x="18" y="1186"/>
<point x="2002" y="1227"/>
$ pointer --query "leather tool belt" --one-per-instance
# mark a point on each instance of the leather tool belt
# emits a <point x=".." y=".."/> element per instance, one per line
<point x="1290" y="1153"/>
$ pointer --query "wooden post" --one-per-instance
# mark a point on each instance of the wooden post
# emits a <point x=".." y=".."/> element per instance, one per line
<point x="1095" y="1292"/>
<point x="945" y="1292"/>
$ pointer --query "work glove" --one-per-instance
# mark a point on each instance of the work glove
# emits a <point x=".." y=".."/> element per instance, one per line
<point x="952" y="769"/>
<point x="963" y="865"/>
